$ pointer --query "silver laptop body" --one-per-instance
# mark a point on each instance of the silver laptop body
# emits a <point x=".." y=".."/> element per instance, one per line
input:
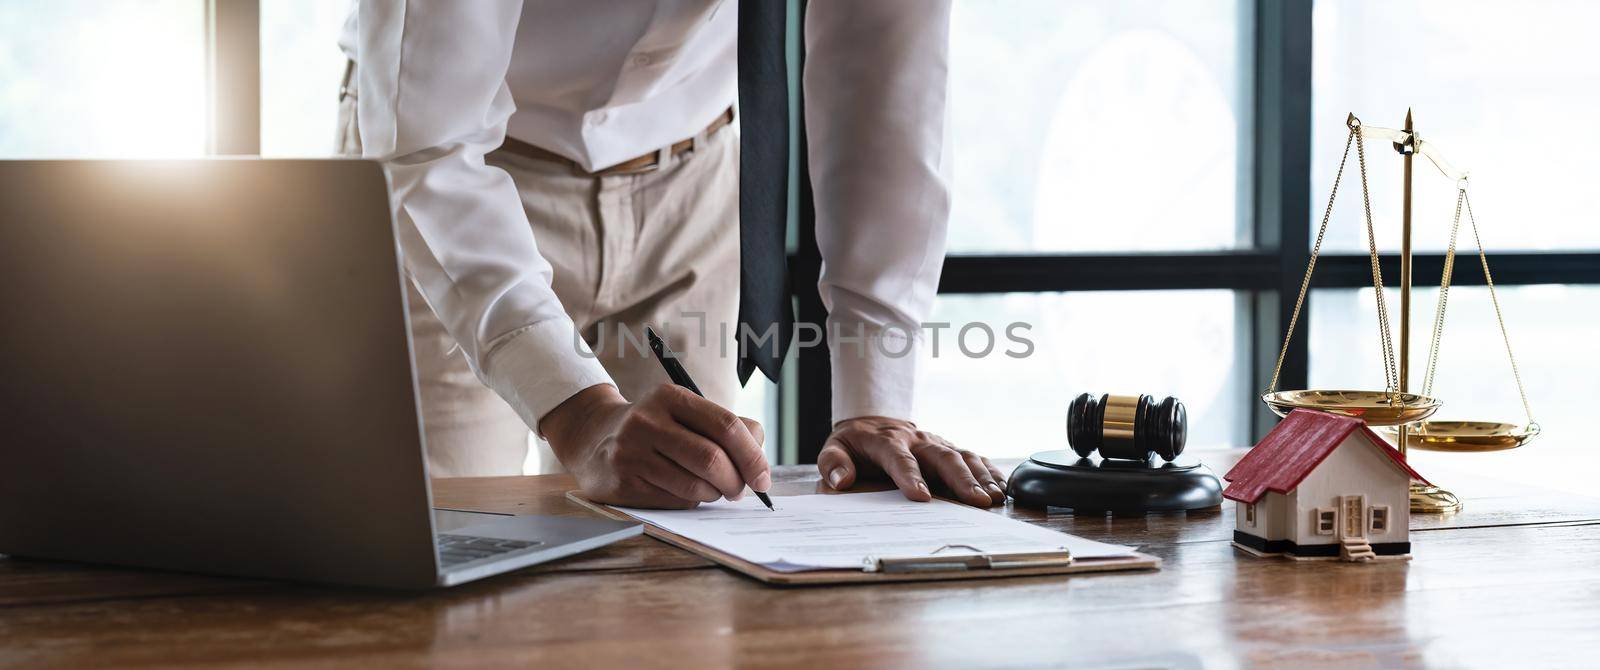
<point x="205" y="366"/>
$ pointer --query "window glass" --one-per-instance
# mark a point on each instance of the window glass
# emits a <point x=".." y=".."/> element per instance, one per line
<point x="1120" y="342"/>
<point x="1096" y="126"/>
<point x="102" y="78"/>
<point x="1552" y="331"/>
<point x="1507" y="90"/>
<point x="301" y="69"/>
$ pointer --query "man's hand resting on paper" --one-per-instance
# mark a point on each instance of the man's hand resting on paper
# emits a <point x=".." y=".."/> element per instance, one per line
<point x="672" y="449"/>
<point x="878" y="447"/>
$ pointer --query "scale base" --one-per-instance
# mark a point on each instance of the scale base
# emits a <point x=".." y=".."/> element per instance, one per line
<point x="1096" y="486"/>
<point x="1426" y="499"/>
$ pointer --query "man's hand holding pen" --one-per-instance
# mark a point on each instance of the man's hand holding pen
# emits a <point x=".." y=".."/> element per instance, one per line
<point x="671" y="450"/>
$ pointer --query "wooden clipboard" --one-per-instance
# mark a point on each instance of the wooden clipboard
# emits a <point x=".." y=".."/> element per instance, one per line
<point x="767" y="575"/>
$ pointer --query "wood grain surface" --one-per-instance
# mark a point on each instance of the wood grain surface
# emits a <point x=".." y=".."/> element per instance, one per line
<point x="1512" y="581"/>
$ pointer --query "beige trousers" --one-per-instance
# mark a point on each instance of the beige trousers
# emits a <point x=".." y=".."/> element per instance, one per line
<point x="659" y="248"/>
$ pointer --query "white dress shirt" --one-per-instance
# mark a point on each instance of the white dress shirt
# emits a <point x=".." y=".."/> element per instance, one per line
<point x="443" y="82"/>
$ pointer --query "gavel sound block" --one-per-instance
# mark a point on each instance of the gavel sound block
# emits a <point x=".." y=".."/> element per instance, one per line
<point x="1113" y="465"/>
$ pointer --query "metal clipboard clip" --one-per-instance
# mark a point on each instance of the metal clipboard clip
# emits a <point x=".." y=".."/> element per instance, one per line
<point x="978" y="561"/>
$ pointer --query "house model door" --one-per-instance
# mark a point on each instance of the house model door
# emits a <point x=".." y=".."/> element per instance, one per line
<point x="1355" y="517"/>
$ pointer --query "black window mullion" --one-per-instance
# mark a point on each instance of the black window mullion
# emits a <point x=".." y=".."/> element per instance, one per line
<point x="814" y="378"/>
<point x="1238" y="270"/>
<point x="1281" y="157"/>
<point x="1519" y="268"/>
<point x="814" y="373"/>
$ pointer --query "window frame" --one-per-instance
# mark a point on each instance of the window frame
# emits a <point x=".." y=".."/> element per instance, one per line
<point x="233" y="77"/>
<point x="1266" y="275"/>
<point x="1378" y="519"/>
<point x="1326" y="520"/>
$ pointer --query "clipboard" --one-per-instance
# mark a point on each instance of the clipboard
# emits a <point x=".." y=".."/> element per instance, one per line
<point x="901" y="569"/>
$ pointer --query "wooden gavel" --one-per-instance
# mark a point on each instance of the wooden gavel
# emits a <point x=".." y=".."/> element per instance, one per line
<point x="1127" y="427"/>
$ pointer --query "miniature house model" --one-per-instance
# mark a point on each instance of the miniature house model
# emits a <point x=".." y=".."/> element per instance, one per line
<point x="1322" y="486"/>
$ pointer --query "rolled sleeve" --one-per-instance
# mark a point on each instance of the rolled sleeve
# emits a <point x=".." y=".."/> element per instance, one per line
<point x="874" y="373"/>
<point x="538" y="367"/>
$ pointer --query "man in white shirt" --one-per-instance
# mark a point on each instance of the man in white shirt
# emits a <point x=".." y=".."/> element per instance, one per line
<point x="565" y="173"/>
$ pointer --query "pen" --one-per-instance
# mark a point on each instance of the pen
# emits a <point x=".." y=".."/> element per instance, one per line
<point x="680" y="376"/>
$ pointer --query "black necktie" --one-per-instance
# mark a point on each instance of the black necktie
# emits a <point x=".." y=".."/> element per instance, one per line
<point x="765" y="316"/>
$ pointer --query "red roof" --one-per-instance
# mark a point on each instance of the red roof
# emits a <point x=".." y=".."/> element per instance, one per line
<point x="1293" y="449"/>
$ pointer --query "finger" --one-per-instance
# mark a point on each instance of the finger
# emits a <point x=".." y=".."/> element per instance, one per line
<point x="998" y="474"/>
<point x="673" y="479"/>
<point x="980" y="469"/>
<point x="894" y="457"/>
<point x="727" y="430"/>
<point x="701" y="458"/>
<point x="755" y="429"/>
<point x="834" y="462"/>
<point x="948" y="465"/>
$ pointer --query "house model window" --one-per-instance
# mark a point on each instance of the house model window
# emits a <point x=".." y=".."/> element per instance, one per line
<point x="1250" y="515"/>
<point x="1325" y="520"/>
<point x="1380" y="518"/>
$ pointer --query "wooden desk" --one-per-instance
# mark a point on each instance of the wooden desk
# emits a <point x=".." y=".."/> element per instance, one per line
<point x="1514" y="580"/>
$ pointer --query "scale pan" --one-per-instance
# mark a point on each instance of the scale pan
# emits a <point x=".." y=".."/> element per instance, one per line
<point x="1373" y="407"/>
<point x="1467" y="436"/>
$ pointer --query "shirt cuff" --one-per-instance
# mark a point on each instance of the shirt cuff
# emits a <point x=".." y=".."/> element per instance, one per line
<point x="540" y="366"/>
<point x="874" y="373"/>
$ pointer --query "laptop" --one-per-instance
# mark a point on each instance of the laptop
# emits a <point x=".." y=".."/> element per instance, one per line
<point x="205" y="366"/>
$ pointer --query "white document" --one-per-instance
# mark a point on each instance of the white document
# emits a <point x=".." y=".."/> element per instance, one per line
<point x="823" y="532"/>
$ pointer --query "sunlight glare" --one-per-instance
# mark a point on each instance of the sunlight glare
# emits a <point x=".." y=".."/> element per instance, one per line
<point x="102" y="79"/>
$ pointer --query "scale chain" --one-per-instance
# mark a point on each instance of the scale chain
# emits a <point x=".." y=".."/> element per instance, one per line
<point x="1316" y="249"/>
<point x="1495" y="300"/>
<point x="1391" y="378"/>
<point x="1444" y="295"/>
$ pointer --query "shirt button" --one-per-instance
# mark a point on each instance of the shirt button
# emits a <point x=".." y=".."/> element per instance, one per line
<point x="641" y="60"/>
<point x="598" y="118"/>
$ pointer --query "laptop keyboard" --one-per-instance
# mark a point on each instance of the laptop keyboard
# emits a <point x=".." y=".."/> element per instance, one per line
<point x="457" y="549"/>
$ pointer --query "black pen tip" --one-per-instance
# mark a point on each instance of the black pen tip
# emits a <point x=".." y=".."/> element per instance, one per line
<point x="765" y="500"/>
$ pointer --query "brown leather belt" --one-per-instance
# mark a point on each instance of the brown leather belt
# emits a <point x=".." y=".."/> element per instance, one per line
<point x="636" y="165"/>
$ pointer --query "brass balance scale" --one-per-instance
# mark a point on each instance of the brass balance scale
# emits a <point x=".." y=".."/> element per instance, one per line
<point x="1406" y="414"/>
